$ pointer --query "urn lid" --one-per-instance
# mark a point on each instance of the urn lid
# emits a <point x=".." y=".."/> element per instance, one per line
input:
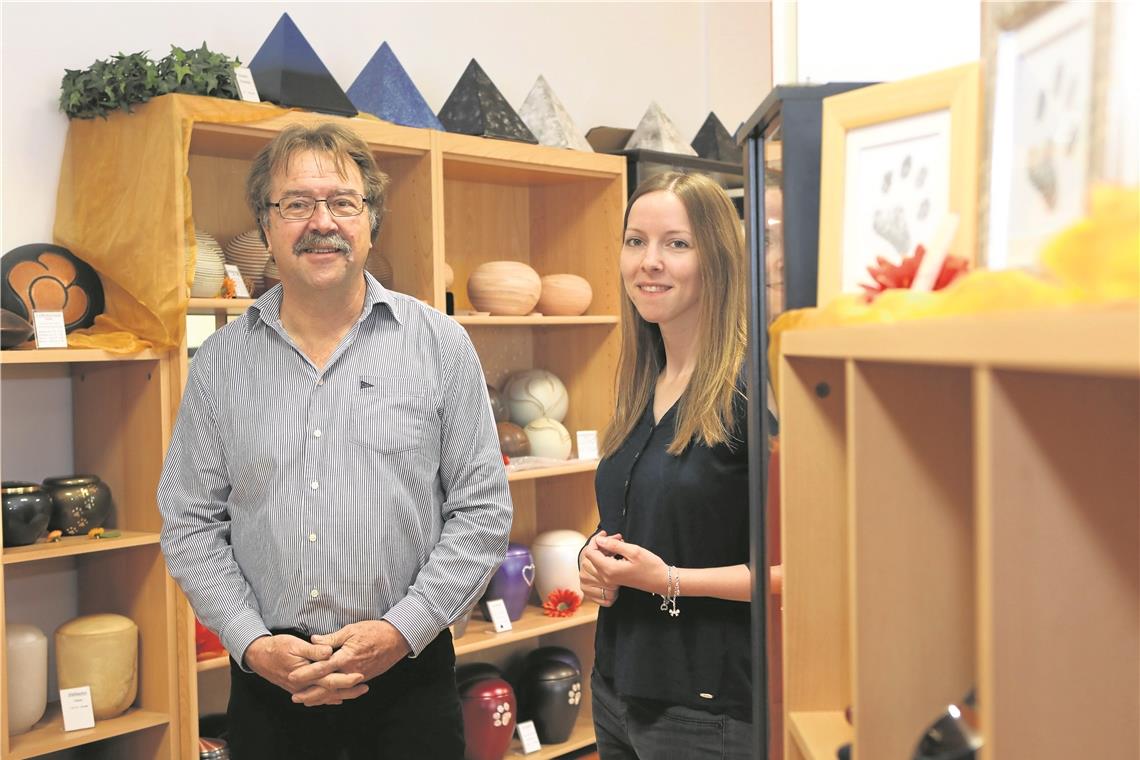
<point x="213" y="749"/>
<point x="95" y="625"/>
<point x="559" y="538"/>
<point x="70" y="480"/>
<point x="551" y="670"/>
<point x="556" y="654"/>
<point x="487" y="688"/>
<point x="518" y="550"/>
<point x="13" y="487"/>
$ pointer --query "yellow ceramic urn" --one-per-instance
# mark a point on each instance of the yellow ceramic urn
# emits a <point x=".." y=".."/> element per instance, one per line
<point x="100" y="651"/>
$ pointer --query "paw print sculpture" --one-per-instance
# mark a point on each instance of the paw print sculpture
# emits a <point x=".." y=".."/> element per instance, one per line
<point x="903" y="203"/>
<point x="574" y="696"/>
<point x="50" y="278"/>
<point x="502" y="714"/>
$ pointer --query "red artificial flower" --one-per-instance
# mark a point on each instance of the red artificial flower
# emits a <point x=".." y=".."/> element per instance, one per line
<point x="562" y="602"/>
<point x="889" y="276"/>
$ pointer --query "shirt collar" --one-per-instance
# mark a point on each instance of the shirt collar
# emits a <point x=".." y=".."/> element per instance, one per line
<point x="267" y="308"/>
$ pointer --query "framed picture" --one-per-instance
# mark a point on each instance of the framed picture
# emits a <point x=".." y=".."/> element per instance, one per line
<point x="898" y="160"/>
<point x="1046" y="70"/>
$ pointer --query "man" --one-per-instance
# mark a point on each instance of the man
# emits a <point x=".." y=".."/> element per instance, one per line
<point x="334" y="496"/>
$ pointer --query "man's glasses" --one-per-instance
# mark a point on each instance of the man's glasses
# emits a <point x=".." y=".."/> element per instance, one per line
<point x="300" y="207"/>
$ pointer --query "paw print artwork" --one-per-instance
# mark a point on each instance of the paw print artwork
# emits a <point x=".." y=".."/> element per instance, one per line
<point x="1056" y="125"/>
<point x="47" y="277"/>
<point x="574" y="696"/>
<point x="904" y="205"/>
<point x="501" y="715"/>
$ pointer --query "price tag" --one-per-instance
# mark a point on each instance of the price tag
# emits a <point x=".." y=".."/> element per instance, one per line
<point x="240" y="290"/>
<point x="499" y="616"/>
<point x="75" y="704"/>
<point x="245" y="84"/>
<point x="50" y="329"/>
<point x="528" y="735"/>
<point x="587" y="444"/>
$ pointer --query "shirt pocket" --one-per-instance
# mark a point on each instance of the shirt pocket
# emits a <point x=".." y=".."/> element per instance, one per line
<point x="391" y="414"/>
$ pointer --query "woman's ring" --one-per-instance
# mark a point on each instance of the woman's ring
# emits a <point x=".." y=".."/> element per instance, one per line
<point x="603" y="595"/>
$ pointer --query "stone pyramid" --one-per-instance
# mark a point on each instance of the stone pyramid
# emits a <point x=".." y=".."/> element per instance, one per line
<point x="287" y="71"/>
<point x="548" y="119"/>
<point x="384" y="89"/>
<point x="657" y="132"/>
<point x="714" y="142"/>
<point x="476" y="107"/>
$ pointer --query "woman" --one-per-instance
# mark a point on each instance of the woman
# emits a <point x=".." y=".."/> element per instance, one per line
<point x="669" y="561"/>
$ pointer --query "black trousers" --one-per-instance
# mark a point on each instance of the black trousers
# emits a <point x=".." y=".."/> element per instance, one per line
<point x="412" y="711"/>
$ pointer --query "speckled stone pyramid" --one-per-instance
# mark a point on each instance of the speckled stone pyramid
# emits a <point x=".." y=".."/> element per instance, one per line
<point x="476" y="107"/>
<point x="384" y="89"/>
<point x="548" y="119"/>
<point x="657" y="132"/>
<point x="287" y="71"/>
<point x="714" y="142"/>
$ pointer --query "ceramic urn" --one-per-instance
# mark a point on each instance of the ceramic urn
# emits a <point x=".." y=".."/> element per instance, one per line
<point x="556" y="561"/>
<point x="26" y="512"/>
<point x="100" y="651"/>
<point x="489" y="711"/>
<point x="534" y="393"/>
<point x="27" y="676"/>
<point x="504" y="288"/>
<point x="511" y="582"/>
<point x="564" y="295"/>
<point x="550" y="694"/>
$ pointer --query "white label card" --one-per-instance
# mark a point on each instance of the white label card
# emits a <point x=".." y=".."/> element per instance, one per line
<point x="587" y="444"/>
<point x="528" y="735"/>
<point x="75" y="704"/>
<point x="240" y="290"/>
<point x="50" y="329"/>
<point x="245" y="84"/>
<point x="499" y="616"/>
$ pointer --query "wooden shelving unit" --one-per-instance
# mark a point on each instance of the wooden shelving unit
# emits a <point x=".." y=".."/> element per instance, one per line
<point x="121" y="421"/>
<point x="467" y="200"/>
<point x="961" y="509"/>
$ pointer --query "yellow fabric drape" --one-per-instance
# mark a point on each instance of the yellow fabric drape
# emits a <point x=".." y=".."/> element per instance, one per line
<point x="123" y="206"/>
<point x="1094" y="261"/>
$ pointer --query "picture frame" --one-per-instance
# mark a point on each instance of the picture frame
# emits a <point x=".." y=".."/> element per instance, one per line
<point x="898" y="160"/>
<point x="1046" y="68"/>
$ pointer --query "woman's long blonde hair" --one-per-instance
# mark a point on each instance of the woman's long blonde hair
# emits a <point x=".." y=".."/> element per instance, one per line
<point x="705" y="409"/>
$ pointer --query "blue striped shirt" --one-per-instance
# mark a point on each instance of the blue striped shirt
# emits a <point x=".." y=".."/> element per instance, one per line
<point x="294" y="497"/>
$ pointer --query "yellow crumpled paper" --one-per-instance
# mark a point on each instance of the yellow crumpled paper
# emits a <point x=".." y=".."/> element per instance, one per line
<point x="123" y="206"/>
<point x="1094" y="261"/>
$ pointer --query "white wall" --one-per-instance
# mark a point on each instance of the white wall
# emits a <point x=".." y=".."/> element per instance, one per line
<point x="605" y="61"/>
<point x="882" y="40"/>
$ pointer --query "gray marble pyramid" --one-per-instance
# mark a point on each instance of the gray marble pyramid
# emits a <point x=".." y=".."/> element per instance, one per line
<point x="657" y="132"/>
<point x="545" y="115"/>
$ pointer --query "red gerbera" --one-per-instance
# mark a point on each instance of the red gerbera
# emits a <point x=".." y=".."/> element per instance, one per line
<point x="562" y="602"/>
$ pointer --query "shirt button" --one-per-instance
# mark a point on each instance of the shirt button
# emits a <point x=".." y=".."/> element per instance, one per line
<point x="317" y="433"/>
<point x="312" y="537"/>
<point x="321" y="381"/>
<point x="314" y="593"/>
<point x="314" y="485"/>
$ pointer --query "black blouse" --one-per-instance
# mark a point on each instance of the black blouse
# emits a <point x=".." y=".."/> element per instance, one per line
<point x="692" y="511"/>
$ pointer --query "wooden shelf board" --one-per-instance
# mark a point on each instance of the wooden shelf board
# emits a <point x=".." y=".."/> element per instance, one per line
<point x="69" y="546"/>
<point x="505" y="162"/>
<point x="243" y="141"/>
<point x="570" y="468"/>
<point x="589" y="319"/>
<point x="481" y="634"/>
<point x="820" y="734"/>
<point x="582" y="735"/>
<point x="71" y="356"/>
<point x="1089" y="341"/>
<point x="48" y="735"/>
<point x="212" y="305"/>
<point x="214" y="663"/>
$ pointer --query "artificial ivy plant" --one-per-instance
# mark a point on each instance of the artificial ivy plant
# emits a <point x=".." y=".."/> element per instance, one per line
<point x="126" y="80"/>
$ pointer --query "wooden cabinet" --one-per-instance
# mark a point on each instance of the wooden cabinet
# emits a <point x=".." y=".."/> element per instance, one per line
<point x="961" y="508"/>
<point x="467" y="200"/>
<point x="121" y="422"/>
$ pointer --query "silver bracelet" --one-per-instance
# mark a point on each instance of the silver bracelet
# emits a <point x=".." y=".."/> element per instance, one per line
<point x="672" y="591"/>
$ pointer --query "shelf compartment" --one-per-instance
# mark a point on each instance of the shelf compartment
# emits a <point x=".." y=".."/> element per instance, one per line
<point x="48" y="735"/>
<point x="818" y="734"/>
<point x="506" y="162"/>
<point x="911" y="549"/>
<point x="469" y="320"/>
<point x="71" y="356"/>
<point x="481" y="635"/>
<point x="70" y="546"/>
<point x="1059" y="566"/>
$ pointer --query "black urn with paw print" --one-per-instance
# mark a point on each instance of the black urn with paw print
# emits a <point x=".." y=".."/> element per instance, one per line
<point x="26" y="511"/>
<point x="550" y="692"/>
<point x="489" y="711"/>
<point x="79" y="503"/>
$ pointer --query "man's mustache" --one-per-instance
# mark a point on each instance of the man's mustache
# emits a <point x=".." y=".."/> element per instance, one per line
<point x="316" y="240"/>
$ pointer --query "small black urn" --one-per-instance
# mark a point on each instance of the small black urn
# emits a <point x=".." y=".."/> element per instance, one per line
<point x="27" y="510"/>
<point x="550" y="692"/>
<point x="79" y="503"/>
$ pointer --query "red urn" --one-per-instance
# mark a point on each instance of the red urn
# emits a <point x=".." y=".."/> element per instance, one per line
<point x="489" y="712"/>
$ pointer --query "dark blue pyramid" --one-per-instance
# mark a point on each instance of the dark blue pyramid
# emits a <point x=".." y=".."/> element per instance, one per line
<point x="383" y="88"/>
<point x="287" y="71"/>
